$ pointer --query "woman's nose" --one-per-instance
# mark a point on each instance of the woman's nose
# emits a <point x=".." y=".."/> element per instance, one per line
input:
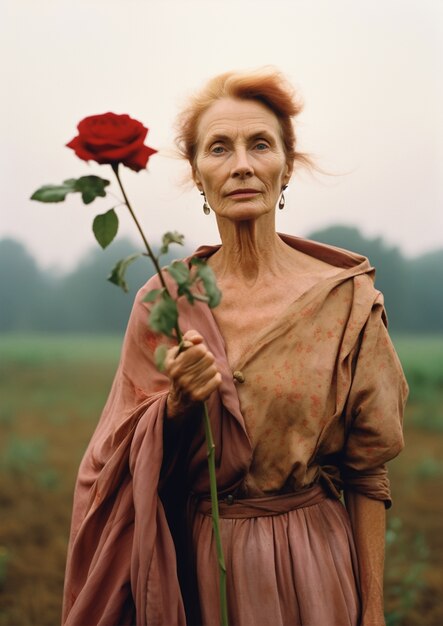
<point x="242" y="165"/>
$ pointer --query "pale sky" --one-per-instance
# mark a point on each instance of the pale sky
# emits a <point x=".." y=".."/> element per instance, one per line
<point x="370" y="74"/>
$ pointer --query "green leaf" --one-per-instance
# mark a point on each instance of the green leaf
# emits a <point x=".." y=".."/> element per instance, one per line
<point x="91" y="187"/>
<point x="117" y="276"/>
<point x="54" y="193"/>
<point x="160" y="357"/>
<point x="207" y="277"/>
<point x="179" y="272"/>
<point x="182" y="276"/>
<point x="105" y="227"/>
<point x="164" y="315"/>
<point x="152" y="295"/>
<point x="171" y="237"/>
<point x="190" y="297"/>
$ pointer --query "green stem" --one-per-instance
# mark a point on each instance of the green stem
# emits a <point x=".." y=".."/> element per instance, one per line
<point x="147" y="246"/>
<point x="216" y="517"/>
<point x="207" y="424"/>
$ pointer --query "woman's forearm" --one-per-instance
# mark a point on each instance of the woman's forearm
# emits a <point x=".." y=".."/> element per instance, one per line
<point x="368" y="520"/>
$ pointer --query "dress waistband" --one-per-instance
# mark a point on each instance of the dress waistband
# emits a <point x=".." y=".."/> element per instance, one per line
<point x="265" y="506"/>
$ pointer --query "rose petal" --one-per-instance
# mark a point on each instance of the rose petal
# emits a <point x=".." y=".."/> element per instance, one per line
<point x="83" y="153"/>
<point x="111" y="128"/>
<point x="112" y="138"/>
<point x="116" y="153"/>
<point x="139" y="159"/>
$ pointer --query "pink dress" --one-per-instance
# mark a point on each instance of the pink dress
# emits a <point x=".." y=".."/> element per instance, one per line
<point x="319" y="409"/>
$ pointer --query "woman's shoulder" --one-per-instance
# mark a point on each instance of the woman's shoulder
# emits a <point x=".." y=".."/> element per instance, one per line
<point x="309" y="264"/>
<point x="326" y="256"/>
<point x="325" y="262"/>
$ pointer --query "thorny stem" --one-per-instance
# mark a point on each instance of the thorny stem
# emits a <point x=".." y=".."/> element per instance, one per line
<point x="207" y="424"/>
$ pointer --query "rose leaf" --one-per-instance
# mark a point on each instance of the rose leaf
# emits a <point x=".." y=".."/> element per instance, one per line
<point x="184" y="290"/>
<point x="164" y="315"/>
<point x="182" y="276"/>
<point x="91" y="187"/>
<point x="179" y="272"/>
<point x="171" y="237"/>
<point x="117" y="276"/>
<point x="54" y="193"/>
<point x="210" y="286"/>
<point x="105" y="227"/>
<point x="152" y="295"/>
<point x="160" y="357"/>
<point x="207" y="277"/>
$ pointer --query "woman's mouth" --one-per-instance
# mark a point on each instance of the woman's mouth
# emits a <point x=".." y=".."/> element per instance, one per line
<point x="243" y="193"/>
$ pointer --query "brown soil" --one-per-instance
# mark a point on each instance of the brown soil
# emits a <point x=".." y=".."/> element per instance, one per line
<point x="35" y="503"/>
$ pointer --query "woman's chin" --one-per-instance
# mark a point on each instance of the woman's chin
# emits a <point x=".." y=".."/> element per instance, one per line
<point x="246" y="212"/>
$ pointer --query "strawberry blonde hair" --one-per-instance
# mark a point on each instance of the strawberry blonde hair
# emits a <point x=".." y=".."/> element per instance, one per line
<point x="267" y="86"/>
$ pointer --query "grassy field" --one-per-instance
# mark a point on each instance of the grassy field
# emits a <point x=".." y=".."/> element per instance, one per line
<point x="52" y="390"/>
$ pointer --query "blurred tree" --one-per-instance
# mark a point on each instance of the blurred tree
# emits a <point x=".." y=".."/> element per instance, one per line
<point x="425" y="292"/>
<point x="23" y="288"/>
<point x="84" y="301"/>
<point x="81" y="301"/>
<point x="391" y="268"/>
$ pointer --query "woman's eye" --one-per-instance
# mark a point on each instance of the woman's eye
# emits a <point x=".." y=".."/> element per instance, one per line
<point x="261" y="146"/>
<point x="217" y="150"/>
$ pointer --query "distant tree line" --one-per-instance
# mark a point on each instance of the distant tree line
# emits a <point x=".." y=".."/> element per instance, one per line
<point x="83" y="301"/>
<point x="413" y="288"/>
<point x="80" y="301"/>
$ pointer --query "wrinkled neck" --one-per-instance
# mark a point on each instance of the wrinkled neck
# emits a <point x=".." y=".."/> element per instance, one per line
<point x="250" y="249"/>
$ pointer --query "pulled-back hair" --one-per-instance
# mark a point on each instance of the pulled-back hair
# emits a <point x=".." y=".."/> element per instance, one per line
<point x="267" y="86"/>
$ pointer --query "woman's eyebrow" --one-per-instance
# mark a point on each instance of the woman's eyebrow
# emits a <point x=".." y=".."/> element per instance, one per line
<point x="261" y="134"/>
<point x="218" y="137"/>
<point x="222" y="137"/>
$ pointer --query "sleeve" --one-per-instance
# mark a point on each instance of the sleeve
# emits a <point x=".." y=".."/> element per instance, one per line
<point x="374" y="414"/>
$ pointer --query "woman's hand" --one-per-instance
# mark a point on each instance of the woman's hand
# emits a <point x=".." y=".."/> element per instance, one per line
<point x="193" y="375"/>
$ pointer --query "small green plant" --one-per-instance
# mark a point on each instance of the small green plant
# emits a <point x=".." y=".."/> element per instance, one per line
<point x="21" y="455"/>
<point x="407" y="561"/>
<point x="28" y="456"/>
<point x="428" y="468"/>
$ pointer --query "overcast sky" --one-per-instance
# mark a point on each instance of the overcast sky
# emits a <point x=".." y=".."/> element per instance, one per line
<point x="370" y="73"/>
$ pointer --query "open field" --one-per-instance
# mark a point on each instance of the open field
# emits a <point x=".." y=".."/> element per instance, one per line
<point x="52" y="390"/>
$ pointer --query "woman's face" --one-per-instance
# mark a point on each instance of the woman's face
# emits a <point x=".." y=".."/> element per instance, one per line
<point x="240" y="162"/>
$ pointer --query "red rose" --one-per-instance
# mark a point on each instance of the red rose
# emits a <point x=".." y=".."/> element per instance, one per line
<point x="111" y="138"/>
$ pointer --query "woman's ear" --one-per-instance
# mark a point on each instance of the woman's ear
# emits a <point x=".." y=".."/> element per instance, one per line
<point x="196" y="179"/>
<point x="288" y="172"/>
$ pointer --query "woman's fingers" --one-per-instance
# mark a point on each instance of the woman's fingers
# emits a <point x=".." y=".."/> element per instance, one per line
<point x="202" y="391"/>
<point x="192" y="381"/>
<point x="191" y="360"/>
<point x="193" y="336"/>
<point x="190" y="338"/>
<point x="193" y="371"/>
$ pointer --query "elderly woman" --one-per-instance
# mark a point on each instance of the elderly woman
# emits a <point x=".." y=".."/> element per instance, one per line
<point x="305" y="395"/>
